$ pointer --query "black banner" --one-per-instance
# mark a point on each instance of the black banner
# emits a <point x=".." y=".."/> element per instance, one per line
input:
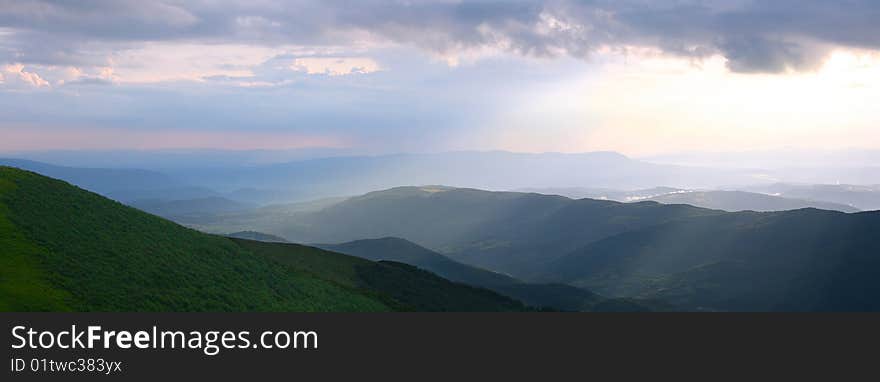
<point x="413" y="346"/>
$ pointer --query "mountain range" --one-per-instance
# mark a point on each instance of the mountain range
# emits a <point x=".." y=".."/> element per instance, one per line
<point x="64" y="248"/>
<point x="689" y="257"/>
<point x="493" y="250"/>
<point x="864" y="197"/>
<point x="597" y="175"/>
<point x="508" y="232"/>
<point x="803" y="260"/>
<point x="302" y="180"/>
<point x="727" y="200"/>
<point x="551" y="295"/>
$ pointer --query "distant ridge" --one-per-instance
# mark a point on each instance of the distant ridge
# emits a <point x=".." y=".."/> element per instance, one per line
<point x="554" y="296"/>
<point x="731" y="201"/>
<point x="256" y="236"/>
<point x="693" y="258"/>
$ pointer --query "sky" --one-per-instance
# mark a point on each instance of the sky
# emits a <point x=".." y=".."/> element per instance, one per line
<point x="641" y="77"/>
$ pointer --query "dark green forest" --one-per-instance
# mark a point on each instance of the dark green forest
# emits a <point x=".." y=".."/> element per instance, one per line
<point x="67" y="249"/>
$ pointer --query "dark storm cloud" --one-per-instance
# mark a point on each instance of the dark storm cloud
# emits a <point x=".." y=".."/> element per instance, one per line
<point x="755" y="36"/>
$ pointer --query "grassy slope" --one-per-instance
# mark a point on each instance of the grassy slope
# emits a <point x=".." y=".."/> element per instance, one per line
<point x="67" y="249"/>
<point x="803" y="260"/>
<point x="553" y="296"/>
<point x="404" y="251"/>
<point x="24" y="284"/>
<point x="512" y="233"/>
<point x="549" y="296"/>
<point x="400" y="285"/>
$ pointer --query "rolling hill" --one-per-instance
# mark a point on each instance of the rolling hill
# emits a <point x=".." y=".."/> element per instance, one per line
<point x="803" y="260"/>
<point x="554" y="296"/>
<point x="190" y="208"/>
<point x="494" y="170"/>
<point x="734" y="201"/>
<point x="692" y="258"/>
<point x="866" y="198"/>
<point x="400" y="250"/>
<point x="506" y="232"/>
<point x="402" y="286"/>
<point x="731" y="201"/>
<point x="602" y="193"/>
<point x="64" y="248"/>
<point x="121" y="184"/>
<point x="256" y="236"/>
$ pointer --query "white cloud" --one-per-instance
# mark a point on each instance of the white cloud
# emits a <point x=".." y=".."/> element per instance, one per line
<point x="335" y="66"/>
<point x="15" y="74"/>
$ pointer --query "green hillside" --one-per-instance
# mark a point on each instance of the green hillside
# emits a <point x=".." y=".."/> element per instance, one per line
<point x="404" y="251"/>
<point x="804" y="260"/>
<point x="509" y="232"/>
<point x="552" y="296"/>
<point x="400" y="285"/>
<point x="64" y="248"/>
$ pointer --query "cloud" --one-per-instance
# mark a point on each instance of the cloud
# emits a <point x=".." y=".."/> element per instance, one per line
<point x="335" y="66"/>
<point x="752" y="54"/>
<point x="15" y="75"/>
<point x="755" y="36"/>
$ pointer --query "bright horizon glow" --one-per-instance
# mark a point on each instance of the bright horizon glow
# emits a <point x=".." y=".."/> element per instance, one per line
<point x="23" y="139"/>
<point x="654" y="104"/>
<point x="440" y="77"/>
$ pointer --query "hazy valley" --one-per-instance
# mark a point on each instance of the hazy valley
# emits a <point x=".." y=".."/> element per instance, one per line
<point x="641" y="237"/>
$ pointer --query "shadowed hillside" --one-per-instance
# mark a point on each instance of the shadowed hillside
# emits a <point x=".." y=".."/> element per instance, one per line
<point x="69" y="249"/>
<point x="803" y="260"/>
<point x="402" y="286"/>
<point x="507" y="232"/>
<point x="555" y="296"/>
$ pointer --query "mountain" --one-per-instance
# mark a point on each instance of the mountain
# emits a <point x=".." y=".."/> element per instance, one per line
<point x="121" y="184"/>
<point x="734" y="201"/>
<point x="554" y="296"/>
<point x="689" y="257"/>
<point x="603" y="193"/>
<point x="506" y="232"/>
<point x="190" y="208"/>
<point x="802" y="260"/>
<point x="864" y="197"/>
<point x="494" y="170"/>
<point x="400" y="250"/>
<point x="68" y="249"/>
<point x="402" y="286"/>
<point x="161" y="159"/>
<point x="263" y="219"/>
<point x="256" y="236"/>
<point x="804" y="166"/>
<point x="731" y="201"/>
<point x="263" y="180"/>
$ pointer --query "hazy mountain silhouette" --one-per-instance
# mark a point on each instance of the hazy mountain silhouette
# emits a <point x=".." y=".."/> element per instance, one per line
<point x="745" y="201"/>
<point x="695" y="258"/>
<point x="731" y="201"/>
<point x="190" y="207"/>
<point x="256" y="236"/>
<point x="502" y="231"/>
<point x="864" y="197"/>
<point x="118" y="183"/>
